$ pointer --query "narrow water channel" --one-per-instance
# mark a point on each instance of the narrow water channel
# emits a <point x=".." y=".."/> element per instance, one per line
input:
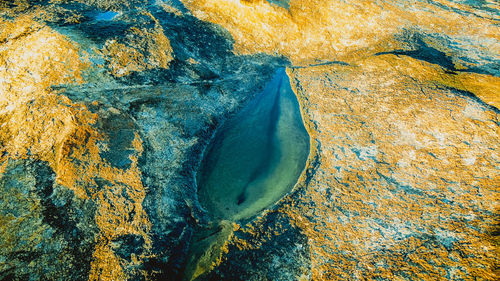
<point x="256" y="157"/>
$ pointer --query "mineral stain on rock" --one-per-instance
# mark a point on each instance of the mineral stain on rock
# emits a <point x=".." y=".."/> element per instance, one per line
<point x="256" y="156"/>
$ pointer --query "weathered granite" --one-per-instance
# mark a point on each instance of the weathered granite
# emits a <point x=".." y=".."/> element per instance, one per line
<point x="119" y="110"/>
<point x="106" y="107"/>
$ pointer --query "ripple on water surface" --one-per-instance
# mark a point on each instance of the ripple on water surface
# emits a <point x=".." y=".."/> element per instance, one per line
<point x="257" y="156"/>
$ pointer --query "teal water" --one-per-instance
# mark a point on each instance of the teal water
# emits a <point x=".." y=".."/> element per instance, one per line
<point x="106" y="16"/>
<point x="257" y="156"/>
<point x="281" y="3"/>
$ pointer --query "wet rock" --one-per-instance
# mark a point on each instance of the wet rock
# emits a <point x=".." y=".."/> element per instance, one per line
<point x="42" y="220"/>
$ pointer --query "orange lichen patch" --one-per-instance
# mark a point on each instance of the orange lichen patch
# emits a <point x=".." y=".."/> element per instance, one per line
<point x="258" y="26"/>
<point x="123" y="59"/>
<point x="192" y="61"/>
<point x="109" y="264"/>
<point x="319" y="30"/>
<point x="37" y="122"/>
<point x="118" y="216"/>
<point x="49" y="128"/>
<point x="256" y="232"/>
<point x="143" y="49"/>
<point x="485" y="87"/>
<point x="14" y="6"/>
<point x="32" y="58"/>
<point x="405" y="181"/>
<point x="167" y="7"/>
<point x="156" y="45"/>
<point x="137" y="145"/>
<point x="22" y="26"/>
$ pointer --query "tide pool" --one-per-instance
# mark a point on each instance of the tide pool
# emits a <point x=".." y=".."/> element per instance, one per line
<point x="256" y="156"/>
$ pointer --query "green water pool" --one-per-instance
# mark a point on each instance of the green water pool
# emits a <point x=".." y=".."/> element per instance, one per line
<point x="256" y="156"/>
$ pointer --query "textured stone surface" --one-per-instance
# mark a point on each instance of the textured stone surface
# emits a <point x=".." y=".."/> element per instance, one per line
<point x="402" y="181"/>
<point x="120" y="114"/>
<point x="407" y="180"/>
<point x="106" y="106"/>
<point x="42" y="220"/>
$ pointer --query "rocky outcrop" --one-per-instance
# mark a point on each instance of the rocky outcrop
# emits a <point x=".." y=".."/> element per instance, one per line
<point x="402" y="179"/>
<point x="401" y="182"/>
<point x="106" y="107"/>
<point x="116" y="111"/>
<point x="402" y="188"/>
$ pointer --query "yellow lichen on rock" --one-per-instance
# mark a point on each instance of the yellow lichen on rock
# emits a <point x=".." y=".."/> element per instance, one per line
<point x="485" y="87"/>
<point x="118" y="216"/>
<point x="124" y="59"/>
<point x="143" y="49"/>
<point x="106" y="265"/>
<point x="316" y="31"/>
<point x="312" y="31"/>
<point x="35" y="120"/>
<point x="34" y="57"/>
<point x="40" y="123"/>
<point x="167" y="7"/>
<point x="405" y="178"/>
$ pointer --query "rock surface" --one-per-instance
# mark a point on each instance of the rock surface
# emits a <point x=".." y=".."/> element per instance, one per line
<point x="106" y="107"/>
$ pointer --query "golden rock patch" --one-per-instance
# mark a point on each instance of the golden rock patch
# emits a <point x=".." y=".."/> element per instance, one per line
<point x="316" y="31"/>
<point x="402" y="161"/>
<point x="143" y="49"/>
<point x="40" y="123"/>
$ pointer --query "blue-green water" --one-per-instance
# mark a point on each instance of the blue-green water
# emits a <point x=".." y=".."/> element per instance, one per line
<point x="281" y="3"/>
<point x="106" y="16"/>
<point x="256" y="157"/>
